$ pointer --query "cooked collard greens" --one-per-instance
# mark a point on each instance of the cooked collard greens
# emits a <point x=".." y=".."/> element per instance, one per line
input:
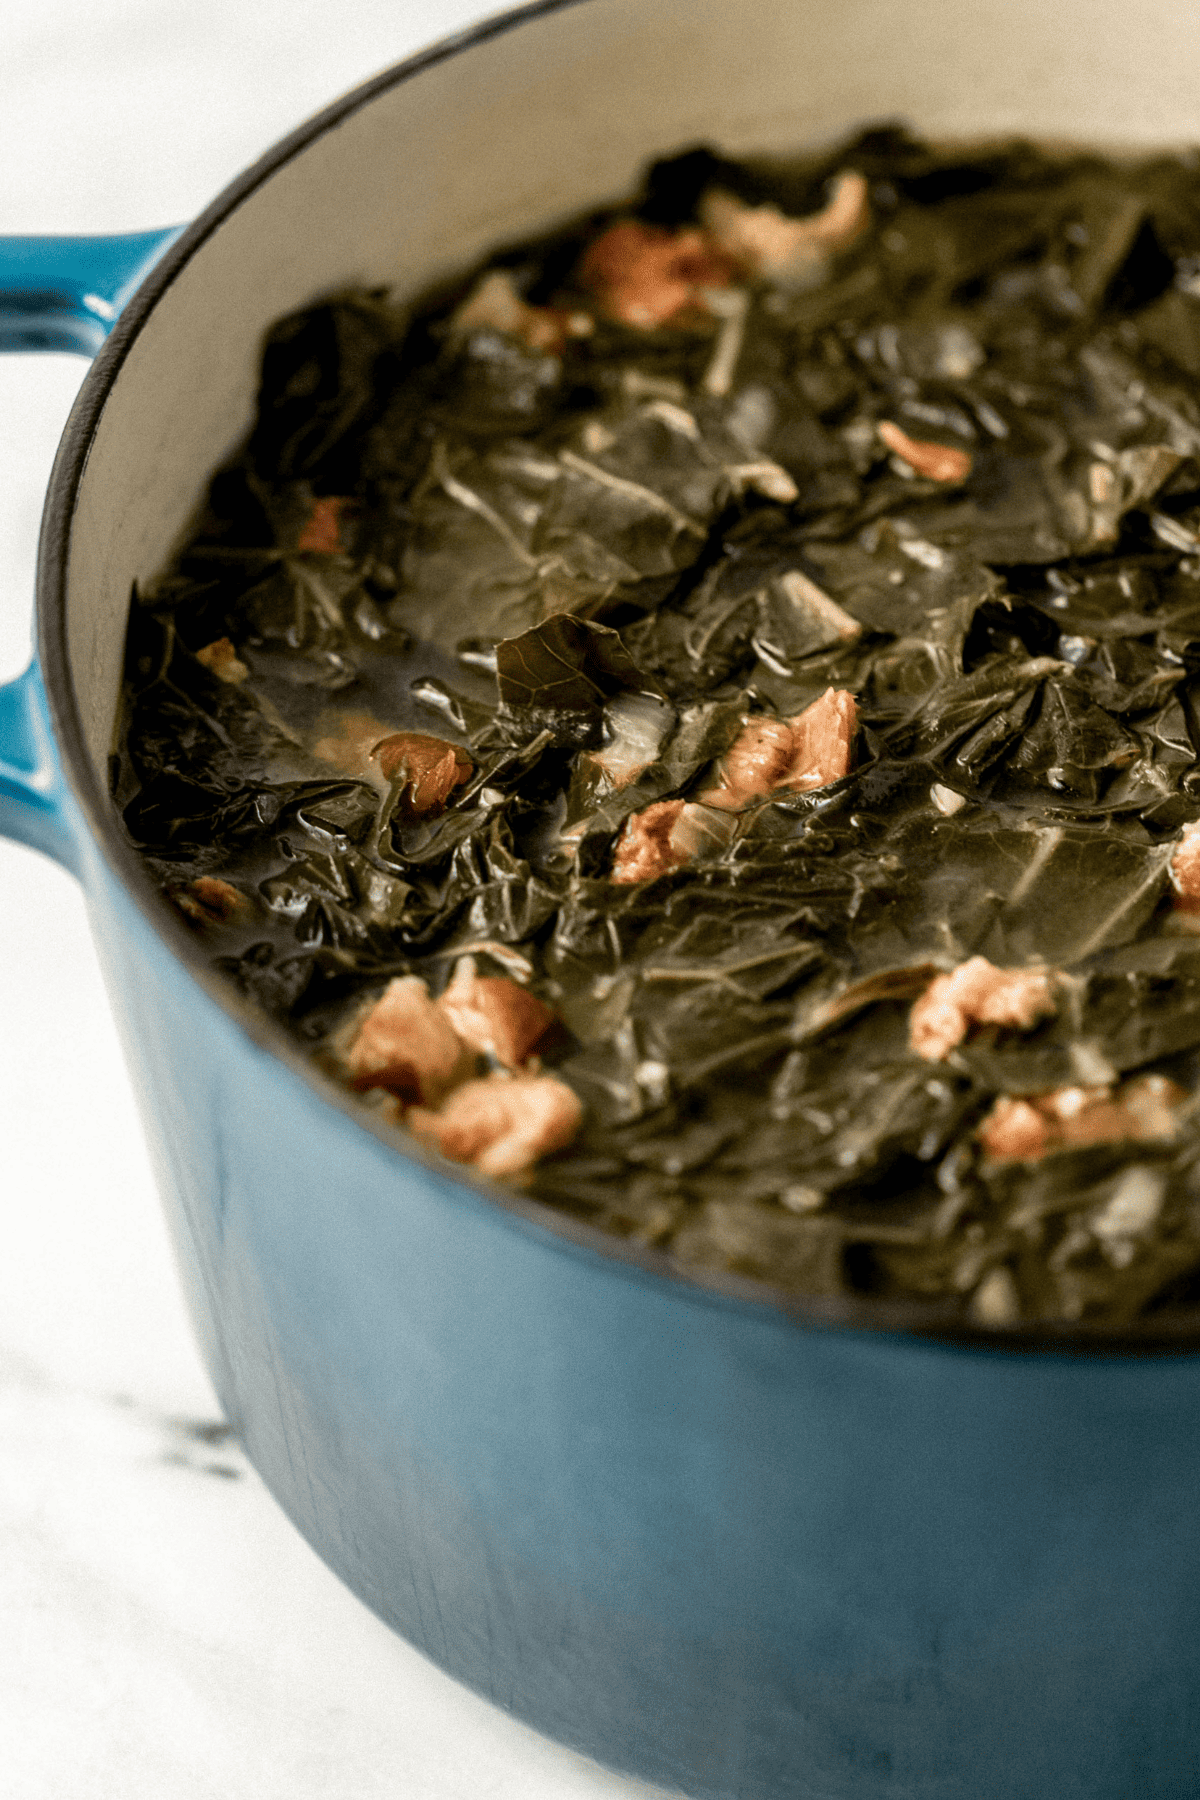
<point x="701" y="720"/>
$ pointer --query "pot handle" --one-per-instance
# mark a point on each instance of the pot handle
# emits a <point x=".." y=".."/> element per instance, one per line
<point x="35" y="806"/>
<point x="56" y="293"/>
<point x="64" y="293"/>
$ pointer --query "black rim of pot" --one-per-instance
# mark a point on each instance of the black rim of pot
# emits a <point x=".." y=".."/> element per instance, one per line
<point x="939" y="1323"/>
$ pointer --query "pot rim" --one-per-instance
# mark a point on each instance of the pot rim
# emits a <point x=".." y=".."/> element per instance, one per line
<point x="1167" y="1335"/>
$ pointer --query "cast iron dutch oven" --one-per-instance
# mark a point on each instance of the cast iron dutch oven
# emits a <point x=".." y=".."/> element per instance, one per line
<point x="737" y="1545"/>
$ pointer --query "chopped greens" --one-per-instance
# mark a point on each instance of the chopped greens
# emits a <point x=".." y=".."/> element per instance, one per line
<point x="701" y="720"/>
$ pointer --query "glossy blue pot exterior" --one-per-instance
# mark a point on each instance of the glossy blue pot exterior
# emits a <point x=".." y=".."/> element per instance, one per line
<point x="739" y="1553"/>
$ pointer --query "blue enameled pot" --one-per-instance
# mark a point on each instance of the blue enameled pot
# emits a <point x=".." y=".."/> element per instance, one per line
<point x="738" y="1546"/>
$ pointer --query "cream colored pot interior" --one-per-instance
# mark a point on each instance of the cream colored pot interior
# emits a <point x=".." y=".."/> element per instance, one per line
<point x="517" y="132"/>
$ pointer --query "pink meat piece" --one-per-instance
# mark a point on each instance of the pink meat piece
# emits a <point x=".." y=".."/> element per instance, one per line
<point x="407" y="1045"/>
<point x="808" y="751"/>
<point x="1014" y="1131"/>
<point x="429" y="767"/>
<point x="208" y="900"/>
<point x="822" y="741"/>
<point x="223" y="661"/>
<point x="495" y="1016"/>
<point x="322" y="533"/>
<point x="644" y="849"/>
<point x="1149" y="1104"/>
<point x="977" y="993"/>
<point x="644" y="275"/>
<point x="501" y="1124"/>
<point x="754" y="764"/>
<point x="1026" y="1129"/>
<point x="938" y="462"/>
<point x="1185" y="869"/>
<point x="664" y="836"/>
<point x="219" y="897"/>
<point x="846" y="214"/>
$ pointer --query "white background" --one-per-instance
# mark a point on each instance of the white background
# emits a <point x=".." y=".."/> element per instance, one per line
<point x="163" y="1631"/>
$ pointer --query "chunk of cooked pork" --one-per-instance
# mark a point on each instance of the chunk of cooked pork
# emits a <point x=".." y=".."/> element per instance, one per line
<point x="496" y="1016"/>
<point x="322" y="531"/>
<point x="222" y="660"/>
<point x="765" y="241"/>
<point x="501" y="1124"/>
<point x="406" y="1043"/>
<point x="428" y="769"/>
<point x="977" y="993"/>
<point x="666" y="835"/>
<point x="644" y="275"/>
<point x="1026" y="1129"/>
<point x="937" y="462"/>
<point x="208" y="900"/>
<point x="1185" y="869"/>
<point x="808" y="751"/>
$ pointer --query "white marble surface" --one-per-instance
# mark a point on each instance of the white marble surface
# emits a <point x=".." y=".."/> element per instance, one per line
<point x="163" y="1630"/>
